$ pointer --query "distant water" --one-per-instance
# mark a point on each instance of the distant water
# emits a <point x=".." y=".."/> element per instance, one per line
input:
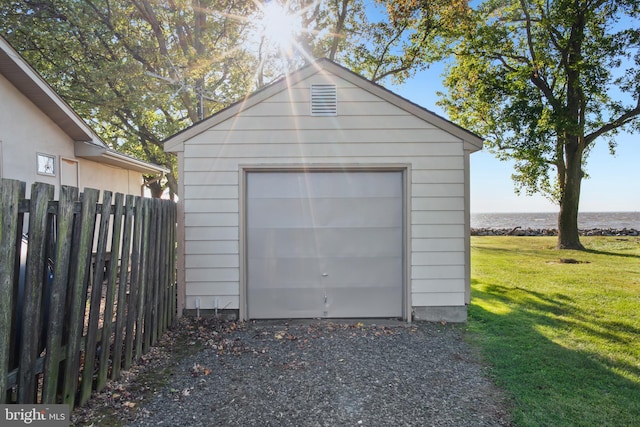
<point x="586" y="220"/>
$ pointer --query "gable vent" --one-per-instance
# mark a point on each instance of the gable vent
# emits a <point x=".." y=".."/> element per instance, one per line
<point x="324" y="100"/>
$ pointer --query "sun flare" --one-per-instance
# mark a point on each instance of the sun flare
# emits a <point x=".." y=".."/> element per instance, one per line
<point x="279" y="25"/>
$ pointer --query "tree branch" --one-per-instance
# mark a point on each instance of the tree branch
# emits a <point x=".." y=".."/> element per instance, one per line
<point x="620" y="121"/>
<point x="342" y="16"/>
<point x="391" y="72"/>
<point x="383" y="54"/>
<point x="532" y="50"/>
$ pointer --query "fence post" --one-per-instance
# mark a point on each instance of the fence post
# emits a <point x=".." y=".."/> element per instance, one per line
<point x="68" y="197"/>
<point x="41" y="194"/>
<point x="11" y="192"/>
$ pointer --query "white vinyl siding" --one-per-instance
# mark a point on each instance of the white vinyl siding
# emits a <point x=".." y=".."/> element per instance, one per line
<point x="280" y="131"/>
<point x="213" y="301"/>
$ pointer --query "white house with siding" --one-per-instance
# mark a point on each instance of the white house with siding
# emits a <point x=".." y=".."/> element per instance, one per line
<point x="43" y="139"/>
<point x="324" y="195"/>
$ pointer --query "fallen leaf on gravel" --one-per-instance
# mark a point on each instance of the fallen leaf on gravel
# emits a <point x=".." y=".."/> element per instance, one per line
<point x="198" y="369"/>
<point x="295" y="365"/>
<point x="129" y="404"/>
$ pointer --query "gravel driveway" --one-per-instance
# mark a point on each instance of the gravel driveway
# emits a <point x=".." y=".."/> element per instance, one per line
<point x="322" y="374"/>
<point x="206" y="372"/>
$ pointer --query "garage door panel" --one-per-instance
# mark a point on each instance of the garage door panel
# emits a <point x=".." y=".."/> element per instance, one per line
<point x="289" y="243"/>
<point x="366" y="302"/>
<point x="279" y="303"/>
<point x="264" y="273"/>
<point x="325" y="212"/>
<point x="322" y="185"/>
<point x="361" y="272"/>
<point x="342" y="242"/>
<point x="324" y="244"/>
<point x="360" y="243"/>
<point x="330" y="273"/>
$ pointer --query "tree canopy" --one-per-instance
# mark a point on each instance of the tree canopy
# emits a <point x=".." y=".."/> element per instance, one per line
<point x="543" y="81"/>
<point x="141" y="70"/>
<point x="134" y="69"/>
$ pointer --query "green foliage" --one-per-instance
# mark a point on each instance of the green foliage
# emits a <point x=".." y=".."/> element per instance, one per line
<point x="542" y="81"/>
<point x="140" y="71"/>
<point x="528" y="75"/>
<point x="562" y="339"/>
<point x="133" y="68"/>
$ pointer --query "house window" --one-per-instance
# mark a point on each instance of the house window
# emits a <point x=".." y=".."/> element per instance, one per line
<point x="324" y="100"/>
<point x="46" y="164"/>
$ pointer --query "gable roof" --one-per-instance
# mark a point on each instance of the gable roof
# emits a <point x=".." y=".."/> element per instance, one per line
<point x="175" y="143"/>
<point x="87" y="144"/>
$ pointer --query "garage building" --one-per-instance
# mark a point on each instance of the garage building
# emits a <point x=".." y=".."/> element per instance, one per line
<point x="324" y="195"/>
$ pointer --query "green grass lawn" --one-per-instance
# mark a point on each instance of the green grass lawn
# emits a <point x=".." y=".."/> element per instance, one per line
<point x="563" y="340"/>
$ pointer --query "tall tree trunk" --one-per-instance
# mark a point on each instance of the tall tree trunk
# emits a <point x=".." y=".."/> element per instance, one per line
<point x="155" y="188"/>
<point x="568" y="236"/>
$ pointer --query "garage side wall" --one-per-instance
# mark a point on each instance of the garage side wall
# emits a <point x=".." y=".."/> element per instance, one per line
<point x="367" y="130"/>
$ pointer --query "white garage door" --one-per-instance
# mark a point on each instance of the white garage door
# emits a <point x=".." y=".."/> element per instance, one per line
<point x="324" y="244"/>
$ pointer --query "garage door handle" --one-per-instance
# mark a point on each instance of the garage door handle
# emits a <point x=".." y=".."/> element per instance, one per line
<point x="325" y="274"/>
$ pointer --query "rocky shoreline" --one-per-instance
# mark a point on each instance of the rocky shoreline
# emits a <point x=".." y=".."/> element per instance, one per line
<point x="519" y="231"/>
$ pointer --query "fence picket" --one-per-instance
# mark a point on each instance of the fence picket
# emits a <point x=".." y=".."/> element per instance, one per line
<point x="172" y="260"/>
<point x="81" y="259"/>
<point x="112" y="275"/>
<point x="65" y="215"/>
<point x="118" y="340"/>
<point x="41" y="194"/>
<point x="162" y="268"/>
<point x="144" y="308"/>
<point x="133" y="331"/>
<point x="12" y="192"/>
<point x="96" y="298"/>
<point x="155" y="269"/>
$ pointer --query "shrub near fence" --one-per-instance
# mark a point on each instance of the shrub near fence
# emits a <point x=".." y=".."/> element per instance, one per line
<point x="112" y="292"/>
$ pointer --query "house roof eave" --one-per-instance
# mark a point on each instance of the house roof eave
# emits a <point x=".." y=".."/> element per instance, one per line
<point x="90" y="151"/>
<point x="21" y="75"/>
<point x="87" y="144"/>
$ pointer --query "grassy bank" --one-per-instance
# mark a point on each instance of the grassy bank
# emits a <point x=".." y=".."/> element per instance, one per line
<point x="563" y="339"/>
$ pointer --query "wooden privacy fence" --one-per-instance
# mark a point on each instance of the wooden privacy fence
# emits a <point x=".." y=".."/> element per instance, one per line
<point x="97" y="288"/>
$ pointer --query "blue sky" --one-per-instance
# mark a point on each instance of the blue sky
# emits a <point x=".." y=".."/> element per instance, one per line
<point x="614" y="183"/>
